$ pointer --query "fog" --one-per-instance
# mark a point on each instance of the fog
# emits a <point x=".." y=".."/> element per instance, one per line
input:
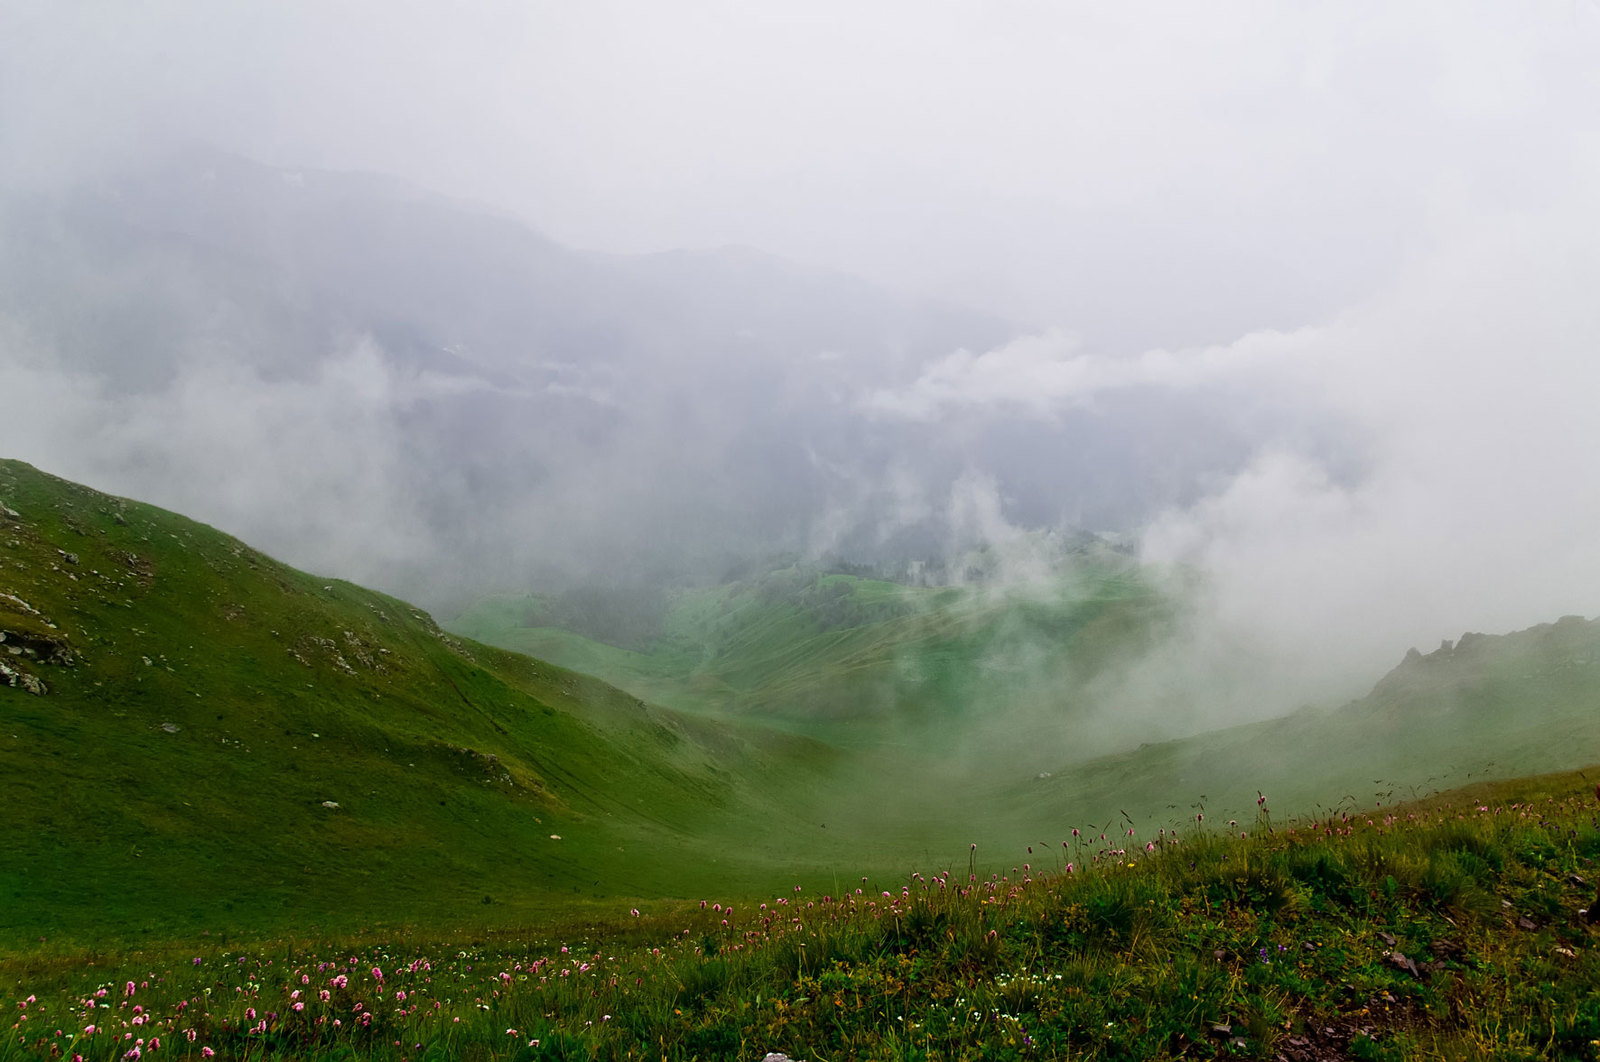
<point x="448" y="301"/>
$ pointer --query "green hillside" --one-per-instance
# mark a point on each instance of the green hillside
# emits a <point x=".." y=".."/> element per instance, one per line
<point x="1451" y="928"/>
<point x="192" y="734"/>
<point x="196" y="738"/>
<point x="846" y="658"/>
<point x="955" y="708"/>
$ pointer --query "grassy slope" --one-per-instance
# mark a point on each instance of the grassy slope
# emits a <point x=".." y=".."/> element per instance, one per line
<point x="1448" y="928"/>
<point x="121" y="823"/>
<point x="851" y="659"/>
<point x="204" y="701"/>
<point x="855" y="676"/>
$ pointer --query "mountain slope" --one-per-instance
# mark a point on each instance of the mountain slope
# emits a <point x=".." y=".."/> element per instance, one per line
<point x="845" y="657"/>
<point x="972" y="715"/>
<point x="188" y="728"/>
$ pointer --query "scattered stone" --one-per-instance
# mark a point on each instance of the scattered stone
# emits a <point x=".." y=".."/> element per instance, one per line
<point x="8" y="512"/>
<point x="13" y="599"/>
<point x="555" y="837"/>
<point x="16" y="678"/>
<point x="330" y="803"/>
<point x="1566" y="952"/>
<point x="1387" y="939"/>
<point x="779" y="1056"/>
<point x="70" y="558"/>
<point x="1222" y="1030"/>
<point x="1399" y="961"/>
<point x="1576" y="879"/>
<point x="171" y="728"/>
<point x="1524" y="922"/>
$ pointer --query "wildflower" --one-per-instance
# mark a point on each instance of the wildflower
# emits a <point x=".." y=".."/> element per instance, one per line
<point x="88" y="1030"/>
<point x="377" y="974"/>
<point x="129" y="990"/>
<point x="206" y="1052"/>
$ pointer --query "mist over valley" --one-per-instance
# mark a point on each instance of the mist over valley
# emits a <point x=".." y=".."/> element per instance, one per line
<point x="1074" y="510"/>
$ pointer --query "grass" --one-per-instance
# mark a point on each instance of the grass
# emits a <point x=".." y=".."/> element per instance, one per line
<point x="227" y="742"/>
<point x="1445" y="928"/>
<point x="245" y="782"/>
<point x="840" y="657"/>
<point x="207" y="705"/>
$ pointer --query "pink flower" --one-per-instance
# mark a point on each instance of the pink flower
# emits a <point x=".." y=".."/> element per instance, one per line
<point x="299" y="1006"/>
<point x="377" y="974"/>
<point x="88" y="1030"/>
<point x="129" y="989"/>
<point x="206" y="1052"/>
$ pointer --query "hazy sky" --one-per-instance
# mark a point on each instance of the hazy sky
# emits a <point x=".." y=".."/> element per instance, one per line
<point x="1137" y="175"/>
<point x="1386" y="214"/>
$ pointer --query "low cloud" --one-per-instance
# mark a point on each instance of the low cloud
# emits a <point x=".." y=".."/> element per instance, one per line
<point x="1044" y="375"/>
<point x="313" y="467"/>
<point x="1471" y="384"/>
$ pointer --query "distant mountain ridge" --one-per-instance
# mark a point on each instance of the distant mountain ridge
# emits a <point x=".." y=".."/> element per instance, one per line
<point x="497" y="377"/>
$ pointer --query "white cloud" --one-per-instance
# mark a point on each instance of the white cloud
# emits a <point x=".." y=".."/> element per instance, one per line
<point x="1042" y="375"/>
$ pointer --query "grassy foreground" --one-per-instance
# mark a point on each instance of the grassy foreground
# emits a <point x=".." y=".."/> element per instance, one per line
<point x="1446" y="928"/>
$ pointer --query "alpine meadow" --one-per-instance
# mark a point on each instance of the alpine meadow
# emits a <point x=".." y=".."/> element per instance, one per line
<point x="799" y="533"/>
